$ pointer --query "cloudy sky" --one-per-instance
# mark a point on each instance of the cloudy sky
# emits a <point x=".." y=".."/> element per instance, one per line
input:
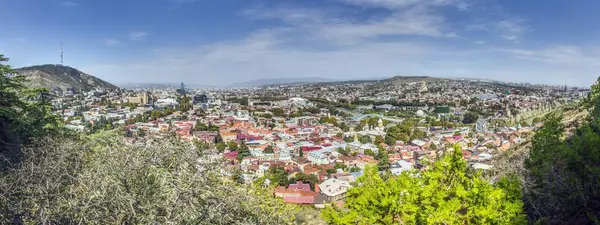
<point x="218" y="42"/>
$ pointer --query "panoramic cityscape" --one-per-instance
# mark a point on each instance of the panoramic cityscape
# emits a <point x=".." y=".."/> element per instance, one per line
<point x="298" y="112"/>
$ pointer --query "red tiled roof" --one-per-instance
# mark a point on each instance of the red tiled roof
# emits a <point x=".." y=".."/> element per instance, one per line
<point x="231" y="155"/>
<point x="299" y="199"/>
<point x="299" y="186"/>
<point x="310" y="148"/>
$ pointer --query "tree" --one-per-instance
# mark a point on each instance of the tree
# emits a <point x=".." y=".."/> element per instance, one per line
<point x="331" y="171"/>
<point x="307" y="179"/>
<point x="277" y="112"/>
<point x="269" y="150"/>
<point x="383" y="160"/>
<point x="200" y="126"/>
<point x="400" y="132"/>
<point x="348" y="139"/>
<point x="354" y="169"/>
<point x="446" y="193"/>
<point x="379" y="140"/>
<point x="220" y="146"/>
<point x="238" y="177"/>
<point x="343" y="151"/>
<point x="232" y="146"/>
<point x="278" y="176"/>
<point x="365" y="139"/>
<point x="218" y="139"/>
<point x="470" y="117"/>
<point x="433" y="147"/>
<point x="564" y="173"/>
<point x="340" y="166"/>
<point x="24" y="112"/>
<point x="370" y="152"/>
<point x="243" y="152"/>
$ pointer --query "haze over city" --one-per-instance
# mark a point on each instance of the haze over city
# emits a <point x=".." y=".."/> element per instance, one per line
<point x="222" y="42"/>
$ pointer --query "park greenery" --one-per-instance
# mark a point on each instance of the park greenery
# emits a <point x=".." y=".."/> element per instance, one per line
<point x="406" y="131"/>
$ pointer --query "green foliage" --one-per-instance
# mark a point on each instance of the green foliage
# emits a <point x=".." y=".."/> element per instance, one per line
<point x="278" y="176"/>
<point x="326" y="119"/>
<point x="185" y="103"/>
<point x="378" y="140"/>
<point x="405" y="131"/>
<point x="24" y="112"/>
<point x="365" y="139"/>
<point x="470" y="117"/>
<point x="221" y="146"/>
<point x="200" y="126"/>
<point x="102" y="180"/>
<point x="383" y="160"/>
<point x="331" y="171"/>
<point x="349" y="139"/>
<point x="343" y="151"/>
<point x="269" y="150"/>
<point x="233" y="146"/>
<point x="446" y="193"/>
<point x="243" y="152"/>
<point x="354" y="169"/>
<point x="305" y="178"/>
<point x="370" y="152"/>
<point x="238" y="177"/>
<point x="149" y="116"/>
<point x="340" y="166"/>
<point x="130" y="105"/>
<point x="565" y="172"/>
<point x="277" y="112"/>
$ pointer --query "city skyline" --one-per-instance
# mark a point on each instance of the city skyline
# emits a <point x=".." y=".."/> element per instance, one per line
<point x="223" y="42"/>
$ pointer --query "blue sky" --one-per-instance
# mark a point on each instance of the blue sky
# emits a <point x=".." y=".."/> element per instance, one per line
<point x="218" y="42"/>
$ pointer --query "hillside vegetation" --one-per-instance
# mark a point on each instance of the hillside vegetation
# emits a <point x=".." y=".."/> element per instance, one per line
<point x="63" y="77"/>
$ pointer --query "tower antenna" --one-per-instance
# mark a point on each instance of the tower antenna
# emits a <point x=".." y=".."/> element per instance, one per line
<point x="61" y="53"/>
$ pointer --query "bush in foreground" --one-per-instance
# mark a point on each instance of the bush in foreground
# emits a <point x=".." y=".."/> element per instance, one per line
<point x="101" y="180"/>
<point x="448" y="192"/>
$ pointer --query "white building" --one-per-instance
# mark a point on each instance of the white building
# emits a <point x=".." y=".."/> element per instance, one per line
<point x="334" y="189"/>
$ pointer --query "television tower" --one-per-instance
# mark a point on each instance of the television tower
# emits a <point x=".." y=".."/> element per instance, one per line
<point x="61" y="53"/>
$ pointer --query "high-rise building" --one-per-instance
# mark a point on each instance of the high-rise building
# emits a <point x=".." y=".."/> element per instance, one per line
<point x="181" y="90"/>
<point x="200" y="99"/>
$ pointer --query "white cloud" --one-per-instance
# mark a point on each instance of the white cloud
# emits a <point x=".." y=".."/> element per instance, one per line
<point x="412" y="39"/>
<point x="340" y="27"/>
<point x="397" y="4"/>
<point x="184" y="1"/>
<point x="561" y="54"/>
<point x="137" y="35"/>
<point x="68" y="4"/>
<point x="111" y="42"/>
<point x="509" y="29"/>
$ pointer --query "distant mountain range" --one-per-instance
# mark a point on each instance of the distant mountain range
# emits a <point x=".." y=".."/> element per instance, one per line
<point x="151" y="85"/>
<point x="399" y="80"/>
<point x="267" y="82"/>
<point x="64" y="77"/>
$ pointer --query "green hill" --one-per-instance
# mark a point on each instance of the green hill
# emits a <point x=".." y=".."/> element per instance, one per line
<point x="63" y="77"/>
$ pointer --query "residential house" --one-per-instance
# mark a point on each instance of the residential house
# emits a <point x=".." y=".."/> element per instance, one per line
<point x="334" y="189"/>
